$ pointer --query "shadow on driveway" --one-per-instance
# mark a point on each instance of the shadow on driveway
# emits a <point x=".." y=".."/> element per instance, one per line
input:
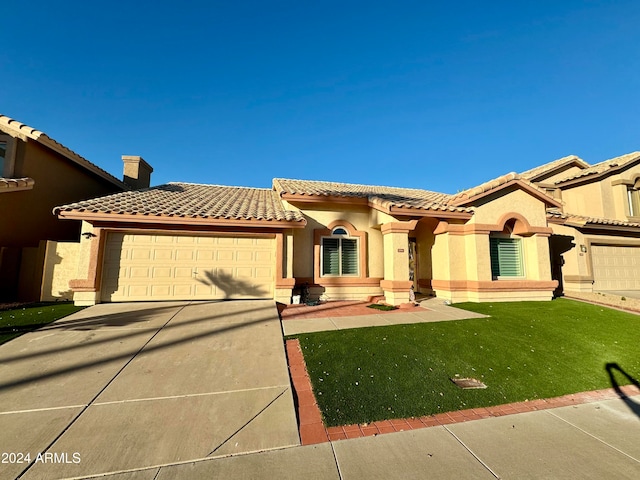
<point x="611" y="367"/>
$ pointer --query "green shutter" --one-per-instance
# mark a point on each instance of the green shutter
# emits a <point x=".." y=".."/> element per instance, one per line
<point x="506" y="257"/>
<point x="349" y="256"/>
<point x="330" y="256"/>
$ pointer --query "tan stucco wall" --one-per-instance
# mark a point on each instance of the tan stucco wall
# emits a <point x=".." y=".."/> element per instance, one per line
<point x="575" y="269"/>
<point x="584" y="200"/>
<point x="28" y="214"/>
<point x="600" y="198"/>
<point x="492" y="208"/>
<point x="460" y="257"/>
<point x="319" y="218"/>
<point x="449" y="257"/>
<point x="60" y="266"/>
<point x="617" y="205"/>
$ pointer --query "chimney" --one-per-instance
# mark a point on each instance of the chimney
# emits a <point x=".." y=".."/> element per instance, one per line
<point x="137" y="172"/>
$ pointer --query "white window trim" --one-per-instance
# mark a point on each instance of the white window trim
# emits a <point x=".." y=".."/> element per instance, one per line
<point x="632" y="213"/>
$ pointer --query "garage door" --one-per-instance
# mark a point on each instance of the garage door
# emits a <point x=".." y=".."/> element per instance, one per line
<point x="616" y="268"/>
<point x="165" y="267"/>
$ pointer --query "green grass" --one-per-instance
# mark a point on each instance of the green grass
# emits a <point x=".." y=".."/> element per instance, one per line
<point x="385" y="308"/>
<point x="525" y="350"/>
<point x="16" y="322"/>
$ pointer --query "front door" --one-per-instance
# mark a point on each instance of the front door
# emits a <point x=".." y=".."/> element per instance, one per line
<point x="413" y="263"/>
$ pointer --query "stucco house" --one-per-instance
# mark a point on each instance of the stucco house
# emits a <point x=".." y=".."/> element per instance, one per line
<point x="36" y="174"/>
<point x="564" y="225"/>
<point x="595" y="244"/>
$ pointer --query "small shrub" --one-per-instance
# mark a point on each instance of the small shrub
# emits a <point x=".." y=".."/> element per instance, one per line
<point x="382" y="307"/>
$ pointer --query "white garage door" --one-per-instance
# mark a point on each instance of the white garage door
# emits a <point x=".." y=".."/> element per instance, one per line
<point x="173" y="267"/>
<point x="616" y="268"/>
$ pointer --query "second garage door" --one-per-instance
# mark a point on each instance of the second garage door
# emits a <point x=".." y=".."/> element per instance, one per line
<point x="616" y="268"/>
<point x="176" y="267"/>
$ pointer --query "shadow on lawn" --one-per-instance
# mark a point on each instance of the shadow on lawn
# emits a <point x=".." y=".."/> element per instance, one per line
<point x="610" y="367"/>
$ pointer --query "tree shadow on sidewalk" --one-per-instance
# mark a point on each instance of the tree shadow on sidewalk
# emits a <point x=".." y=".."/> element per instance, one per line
<point x="633" y="406"/>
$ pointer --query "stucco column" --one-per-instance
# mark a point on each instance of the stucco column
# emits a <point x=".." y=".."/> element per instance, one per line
<point x="477" y="257"/>
<point x="450" y="265"/>
<point x="284" y="272"/>
<point x="86" y="287"/>
<point x="538" y="262"/>
<point x="396" y="284"/>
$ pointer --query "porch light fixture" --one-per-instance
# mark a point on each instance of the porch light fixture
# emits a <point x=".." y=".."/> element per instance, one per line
<point x="583" y="248"/>
<point x="88" y="235"/>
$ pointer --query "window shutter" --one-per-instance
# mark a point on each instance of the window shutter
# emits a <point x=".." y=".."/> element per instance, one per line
<point x="506" y="257"/>
<point x="349" y="256"/>
<point x="330" y="256"/>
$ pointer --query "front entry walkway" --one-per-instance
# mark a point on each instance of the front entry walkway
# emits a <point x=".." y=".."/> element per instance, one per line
<point x="121" y="387"/>
<point x="330" y="316"/>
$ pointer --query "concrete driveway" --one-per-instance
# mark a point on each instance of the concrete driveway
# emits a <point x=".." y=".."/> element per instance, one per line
<point x="118" y="387"/>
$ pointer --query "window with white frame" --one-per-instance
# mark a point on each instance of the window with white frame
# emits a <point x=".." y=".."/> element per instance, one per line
<point x="340" y="254"/>
<point x="633" y="196"/>
<point x="506" y="257"/>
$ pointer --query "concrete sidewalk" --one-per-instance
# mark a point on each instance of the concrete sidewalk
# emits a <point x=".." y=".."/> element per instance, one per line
<point x="431" y="310"/>
<point x="599" y="440"/>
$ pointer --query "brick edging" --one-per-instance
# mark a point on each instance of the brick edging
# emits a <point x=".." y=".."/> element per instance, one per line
<point x="313" y="431"/>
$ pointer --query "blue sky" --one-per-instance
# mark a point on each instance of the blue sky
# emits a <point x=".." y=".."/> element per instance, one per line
<point x="449" y="94"/>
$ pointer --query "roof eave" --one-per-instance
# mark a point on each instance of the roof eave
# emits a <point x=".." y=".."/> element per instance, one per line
<point x="596" y="175"/>
<point x="177" y="220"/>
<point x="551" y="202"/>
<point x="578" y="162"/>
<point x="556" y="220"/>
<point x="423" y="212"/>
<point x="610" y="228"/>
<point x="25" y="132"/>
<point x="17" y="184"/>
<point x="304" y="198"/>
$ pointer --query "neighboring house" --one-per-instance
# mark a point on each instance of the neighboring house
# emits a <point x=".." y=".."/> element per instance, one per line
<point x="38" y="173"/>
<point x="596" y="241"/>
<point x="514" y="238"/>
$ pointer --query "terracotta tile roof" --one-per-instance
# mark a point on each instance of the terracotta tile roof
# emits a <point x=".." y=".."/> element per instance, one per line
<point x="9" y="125"/>
<point x="602" y="167"/>
<point x="190" y="200"/>
<point x="10" y="184"/>
<point x="584" y="220"/>
<point x="379" y="195"/>
<point x="467" y="195"/>
<point x="549" y="167"/>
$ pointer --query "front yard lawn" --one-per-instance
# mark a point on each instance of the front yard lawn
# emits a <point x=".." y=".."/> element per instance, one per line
<point x="14" y="323"/>
<point x="525" y="350"/>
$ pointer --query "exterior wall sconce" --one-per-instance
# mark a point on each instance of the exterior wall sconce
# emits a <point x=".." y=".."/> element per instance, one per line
<point x="88" y="235"/>
<point x="583" y="248"/>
